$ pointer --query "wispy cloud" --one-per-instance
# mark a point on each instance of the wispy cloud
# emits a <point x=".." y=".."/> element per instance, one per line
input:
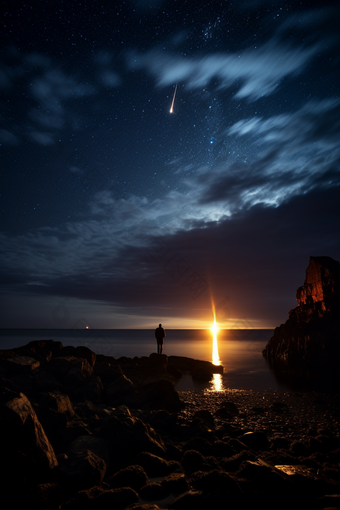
<point x="52" y="94"/>
<point x="7" y="137"/>
<point x="260" y="69"/>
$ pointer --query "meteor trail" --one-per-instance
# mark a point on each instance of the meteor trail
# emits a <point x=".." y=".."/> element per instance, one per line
<point x="173" y="100"/>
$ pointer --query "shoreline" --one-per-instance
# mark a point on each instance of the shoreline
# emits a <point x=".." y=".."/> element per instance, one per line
<point x="88" y="431"/>
<point x="292" y="413"/>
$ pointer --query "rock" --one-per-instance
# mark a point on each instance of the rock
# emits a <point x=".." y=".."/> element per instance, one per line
<point x="21" y="365"/>
<point x="159" y="359"/>
<point x="132" y="476"/>
<point x="267" y="482"/>
<point x="74" y="428"/>
<point x="190" y="500"/>
<point x="45" y="495"/>
<point x="129" y="437"/>
<point x="200" y="445"/>
<point x="228" y="410"/>
<point x="107" y="371"/>
<point x="215" y="481"/>
<point x="163" y="420"/>
<point x="162" y="395"/>
<point x="253" y="470"/>
<point x="255" y="440"/>
<point x="280" y="442"/>
<point x="58" y="402"/>
<point x="80" y="371"/>
<point x="299" y="449"/>
<point x="119" y="388"/>
<point x="82" y="469"/>
<point x="86" y="353"/>
<point x="144" y="506"/>
<point x="184" y="364"/>
<point x="173" y="452"/>
<point x="70" y="370"/>
<point x="206" y="417"/>
<point x="54" y="425"/>
<point x="153" y="491"/>
<point x="45" y="382"/>
<point x="310" y="338"/>
<point x="222" y="449"/>
<point x="96" y="445"/>
<point x="83" y="499"/>
<point x="192" y="461"/>
<point x="232" y="464"/>
<point x="329" y="502"/>
<point x="37" y="349"/>
<point x="94" y="389"/>
<point x="202" y="374"/>
<point x="116" y="499"/>
<point x="173" y="371"/>
<point x="26" y="453"/>
<point x="175" y="484"/>
<point x="156" y="466"/>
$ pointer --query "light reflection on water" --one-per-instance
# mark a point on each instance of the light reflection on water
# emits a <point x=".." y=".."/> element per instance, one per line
<point x="238" y="351"/>
<point x="217" y="381"/>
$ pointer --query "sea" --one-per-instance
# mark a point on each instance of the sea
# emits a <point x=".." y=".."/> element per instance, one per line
<point x="239" y="351"/>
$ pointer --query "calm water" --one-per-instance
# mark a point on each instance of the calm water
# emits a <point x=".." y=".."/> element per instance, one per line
<point x="239" y="351"/>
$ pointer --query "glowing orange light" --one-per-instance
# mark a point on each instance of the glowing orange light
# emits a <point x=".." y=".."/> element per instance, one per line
<point x="214" y="328"/>
<point x="86" y="327"/>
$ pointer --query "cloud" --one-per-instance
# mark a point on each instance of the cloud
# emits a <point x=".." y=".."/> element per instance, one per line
<point x="107" y="76"/>
<point x="52" y="93"/>
<point x="110" y="79"/>
<point x="296" y="152"/>
<point x="7" y="137"/>
<point x="42" y="138"/>
<point x="315" y="123"/>
<point x="175" y="274"/>
<point x="260" y="70"/>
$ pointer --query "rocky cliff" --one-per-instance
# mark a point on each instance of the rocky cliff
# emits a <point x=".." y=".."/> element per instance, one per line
<point x="311" y="335"/>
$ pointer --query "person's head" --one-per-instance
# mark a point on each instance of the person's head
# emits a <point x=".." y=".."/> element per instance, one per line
<point x="160" y="325"/>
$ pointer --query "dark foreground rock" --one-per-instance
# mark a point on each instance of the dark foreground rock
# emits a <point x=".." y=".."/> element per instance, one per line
<point x="310" y="338"/>
<point x="80" y="431"/>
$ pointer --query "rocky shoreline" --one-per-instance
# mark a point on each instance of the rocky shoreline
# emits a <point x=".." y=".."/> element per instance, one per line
<point x="310" y="338"/>
<point x="87" y="431"/>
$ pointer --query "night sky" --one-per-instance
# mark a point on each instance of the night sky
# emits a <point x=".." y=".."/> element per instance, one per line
<point x="116" y="213"/>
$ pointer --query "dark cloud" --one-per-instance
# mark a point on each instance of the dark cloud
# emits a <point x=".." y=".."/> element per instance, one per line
<point x="246" y="257"/>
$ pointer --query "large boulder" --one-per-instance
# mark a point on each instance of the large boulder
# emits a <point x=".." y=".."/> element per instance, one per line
<point x="26" y="453"/>
<point x="311" y="335"/>
<point x="162" y="395"/>
<point x="96" y="445"/>
<point x="119" y="388"/>
<point x="82" y="469"/>
<point x="194" y="366"/>
<point x="58" y="402"/>
<point x="129" y="437"/>
<point x="21" y="365"/>
<point x="132" y="476"/>
<point x="70" y="370"/>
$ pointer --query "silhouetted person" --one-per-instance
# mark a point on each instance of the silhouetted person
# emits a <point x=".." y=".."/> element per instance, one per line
<point x="159" y="334"/>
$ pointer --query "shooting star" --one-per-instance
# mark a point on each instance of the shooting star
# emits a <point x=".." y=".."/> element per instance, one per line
<point x="173" y="100"/>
